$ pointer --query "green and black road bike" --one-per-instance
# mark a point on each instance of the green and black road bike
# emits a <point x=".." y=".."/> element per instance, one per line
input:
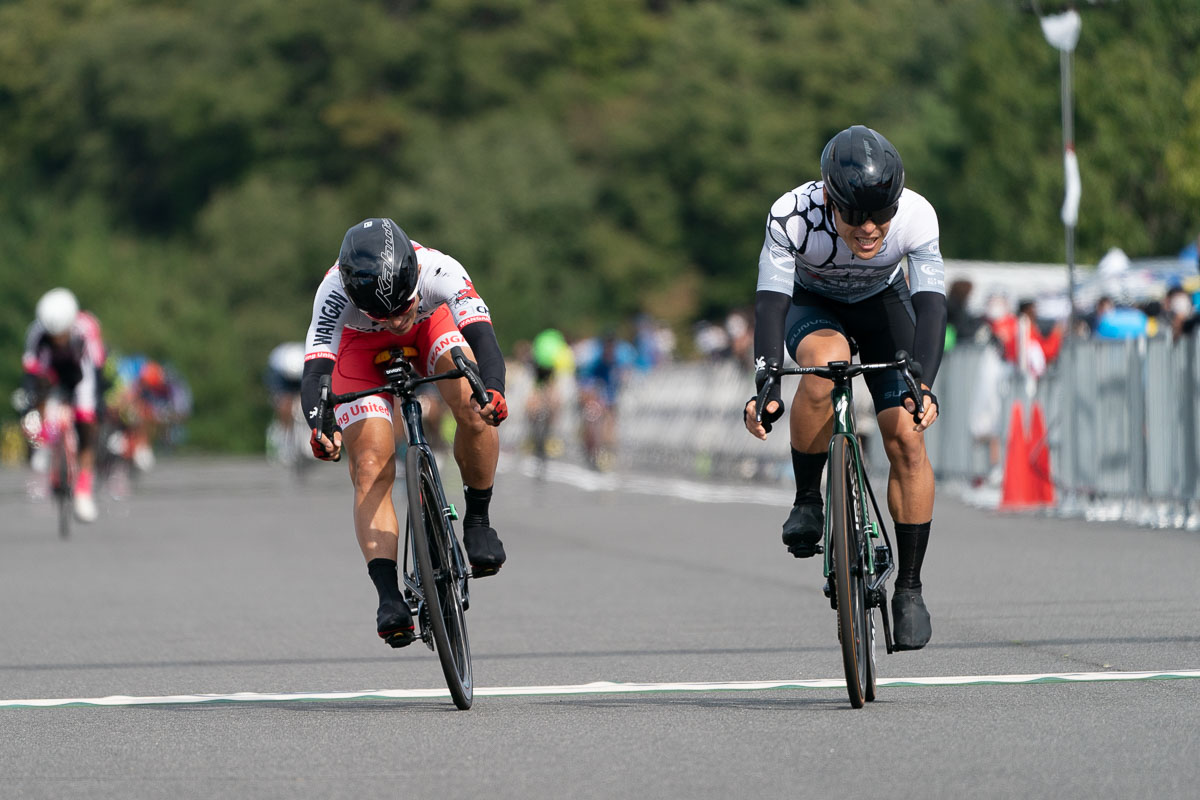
<point x="857" y="547"/>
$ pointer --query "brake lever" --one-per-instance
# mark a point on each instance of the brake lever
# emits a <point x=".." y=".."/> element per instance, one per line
<point x="478" y="391"/>
<point x="325" y="411"/>
<point x="911" y="372"/>
<point x="761" y="400"/>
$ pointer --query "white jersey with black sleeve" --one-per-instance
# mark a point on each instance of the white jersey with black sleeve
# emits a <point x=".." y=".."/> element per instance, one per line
<point x="442" y="279"/>
<point x="802" y="248"/>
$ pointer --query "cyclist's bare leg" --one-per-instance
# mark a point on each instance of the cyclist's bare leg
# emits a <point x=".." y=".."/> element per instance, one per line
<point x="88" y="432"/>
<point x="476" y="449"/>
<point x="371" y="451"/>
<point x="811" y="419"/>
<point x="476" y="444"/>
<point x="910" y="500"/>
<point x="371" y="447"/>
<point x="910" y="487"/>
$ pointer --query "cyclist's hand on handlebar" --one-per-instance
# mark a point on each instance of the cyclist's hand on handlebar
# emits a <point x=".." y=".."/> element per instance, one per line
<point x="774" y="411"/>
<point x="496" y="411"/>
<point x="764" y="369"/>
<point x="325" y="447"/>
<point x="930" y="401"/>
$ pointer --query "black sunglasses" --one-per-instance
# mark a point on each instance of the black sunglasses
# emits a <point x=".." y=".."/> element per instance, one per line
<point x="853" y="217"/>
<point x="398" y="312"/>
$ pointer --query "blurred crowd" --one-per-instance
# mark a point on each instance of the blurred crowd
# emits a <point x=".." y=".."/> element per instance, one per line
<point x="1019" y="340"/>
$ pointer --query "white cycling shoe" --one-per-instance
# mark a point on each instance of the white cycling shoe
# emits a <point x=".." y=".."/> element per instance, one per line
<point x="85" y="508"/>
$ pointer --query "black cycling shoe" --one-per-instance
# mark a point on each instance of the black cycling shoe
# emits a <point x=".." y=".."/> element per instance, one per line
<point x="394" y="623"/>
<point x="910" y="627"/>
<point x="484" y="551"/>
<point x="804" y="529"/>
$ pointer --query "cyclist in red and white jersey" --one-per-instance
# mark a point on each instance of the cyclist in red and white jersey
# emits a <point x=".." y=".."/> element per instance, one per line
<point x="387" y="291"/>
<point x="63" y="347"/>
<point x="831" y="271"/>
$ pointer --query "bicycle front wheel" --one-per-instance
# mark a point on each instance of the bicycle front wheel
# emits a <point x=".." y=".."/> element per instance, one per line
<point x="848" y="539"/>
<point x="62" y="484"/>
<point x="440" y="573"/>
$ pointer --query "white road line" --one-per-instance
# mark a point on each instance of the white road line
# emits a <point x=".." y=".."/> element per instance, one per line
<point x="604" y="687"/>
<point x="588" y="480"/>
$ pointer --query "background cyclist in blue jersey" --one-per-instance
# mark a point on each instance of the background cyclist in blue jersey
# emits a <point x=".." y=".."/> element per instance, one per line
<point x="831" y="271"/>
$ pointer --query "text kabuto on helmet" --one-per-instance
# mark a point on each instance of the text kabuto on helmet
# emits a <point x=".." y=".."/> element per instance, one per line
<point x="863" y="175"/>
<point x="379" y="268"/>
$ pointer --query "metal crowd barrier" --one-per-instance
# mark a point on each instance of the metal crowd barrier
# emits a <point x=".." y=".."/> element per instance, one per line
<point x="1122" y="422"/>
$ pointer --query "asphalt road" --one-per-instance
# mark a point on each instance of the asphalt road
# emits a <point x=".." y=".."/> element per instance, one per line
<point x="224" y="577"/>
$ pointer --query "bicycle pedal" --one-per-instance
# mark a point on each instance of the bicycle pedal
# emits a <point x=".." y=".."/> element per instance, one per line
<point x="483" y="572"/>
<point x="401" y="638"/>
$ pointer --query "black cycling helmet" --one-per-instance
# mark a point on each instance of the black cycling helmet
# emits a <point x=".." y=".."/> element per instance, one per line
<point x="379" y="268"/>
<point x="863" y="175"/>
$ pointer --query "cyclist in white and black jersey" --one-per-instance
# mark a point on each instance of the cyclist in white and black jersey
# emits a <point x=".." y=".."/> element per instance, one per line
<point x="831" y="272"/>
<point x="386" y="291"/>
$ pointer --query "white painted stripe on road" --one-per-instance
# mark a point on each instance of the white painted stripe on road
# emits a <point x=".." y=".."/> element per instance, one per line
<point x="589" y="480"/>
<point x="604" y="687"/>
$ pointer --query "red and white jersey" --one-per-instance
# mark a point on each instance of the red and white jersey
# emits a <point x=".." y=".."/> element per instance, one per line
<point x="84" y="348"/>
<point x="442" y="280"/>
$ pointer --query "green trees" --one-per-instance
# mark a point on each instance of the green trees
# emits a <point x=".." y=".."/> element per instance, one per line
<point x="189" y="168"/>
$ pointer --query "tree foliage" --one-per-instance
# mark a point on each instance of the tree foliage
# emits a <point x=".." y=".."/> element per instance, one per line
<point x="189" y="167"/>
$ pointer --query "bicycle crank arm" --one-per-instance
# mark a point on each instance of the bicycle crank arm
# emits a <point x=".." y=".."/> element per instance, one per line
<point x="887" y="622"/>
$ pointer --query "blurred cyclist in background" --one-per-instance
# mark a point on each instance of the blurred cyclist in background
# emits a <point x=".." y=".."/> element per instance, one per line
<point x="600" y="374"/>
<point x="147" y="404"/>
<point x="285" y="367"/>
<point x="64" y="348"/>
<point x="551" y="357"/>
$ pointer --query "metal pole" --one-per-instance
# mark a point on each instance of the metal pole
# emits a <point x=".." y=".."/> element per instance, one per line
<point x="1068" y="127"/>
<point x="1069" y="383"/>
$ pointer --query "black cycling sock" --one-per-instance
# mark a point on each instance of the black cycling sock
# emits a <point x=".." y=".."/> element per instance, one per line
<point x="912" y="541"/>
<point x="477" y="507"/>
<point x="383" y="575"/>
<point x="808" y="468"/>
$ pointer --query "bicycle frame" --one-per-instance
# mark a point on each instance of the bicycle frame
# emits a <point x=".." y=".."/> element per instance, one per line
<point x="842" y="396"/>
<point x="841" y="373"/>
<point x="414" y="430"/>
<point x="438" y="581"/>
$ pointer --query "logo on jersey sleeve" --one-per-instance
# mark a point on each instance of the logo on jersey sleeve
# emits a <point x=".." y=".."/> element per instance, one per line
<point x="327" y="318"/>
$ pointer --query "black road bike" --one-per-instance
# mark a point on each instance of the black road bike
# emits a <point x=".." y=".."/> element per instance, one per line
<point x="857" y="548"/>
<point x="434" y="569"/>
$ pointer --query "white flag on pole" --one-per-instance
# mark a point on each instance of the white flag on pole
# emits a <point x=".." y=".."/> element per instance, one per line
<point x="1070" y="209"/>
<point x="1062" y="30"/>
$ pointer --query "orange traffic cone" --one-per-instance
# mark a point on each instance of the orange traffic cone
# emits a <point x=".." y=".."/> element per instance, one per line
<point x="1039" y="456"/>
<point x="1017" y="491"/>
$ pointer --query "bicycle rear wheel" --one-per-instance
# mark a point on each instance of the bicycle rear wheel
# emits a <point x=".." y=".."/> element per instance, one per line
<point x="440" y="573"/>
<point x="848" y="538"/>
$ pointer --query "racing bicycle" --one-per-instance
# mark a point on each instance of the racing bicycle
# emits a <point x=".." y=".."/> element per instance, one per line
<point x="434" y="569"/>
<point x="857" y="548"/>
<point x="52" y="430"/>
